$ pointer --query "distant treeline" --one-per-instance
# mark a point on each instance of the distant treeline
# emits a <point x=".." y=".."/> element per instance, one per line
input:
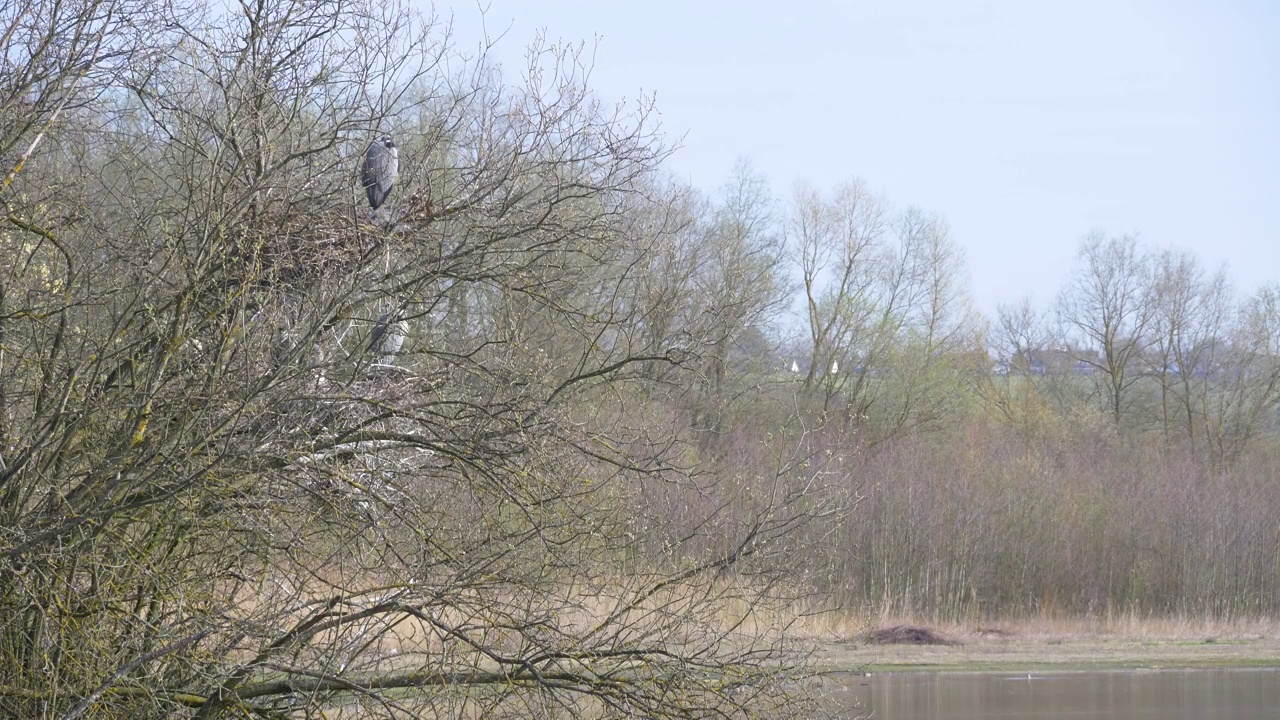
<point x="1114" y="450"/>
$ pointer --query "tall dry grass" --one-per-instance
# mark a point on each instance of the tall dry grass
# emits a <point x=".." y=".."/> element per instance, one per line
<point x="982" y="523"/>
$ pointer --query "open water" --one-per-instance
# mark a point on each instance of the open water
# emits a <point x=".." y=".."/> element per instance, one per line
<point x="1201" y="694"/>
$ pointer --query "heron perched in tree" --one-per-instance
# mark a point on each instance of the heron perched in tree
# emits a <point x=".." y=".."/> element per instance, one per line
<point x="381" y="165"/>
<point x="286" y="341"/>
<point x="388" y="337"/>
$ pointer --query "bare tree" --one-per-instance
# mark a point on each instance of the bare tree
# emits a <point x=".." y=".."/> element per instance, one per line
<point x="56" y="57"/>
<point x="739" y="282"/>
<point x="1245" y="375"/>
<point x="888" y="317"/>
<point x="1019" y="336"/>
<point x="842" y="261"/>
<point x="1191" y="319"/>
<point x="931" y="368"/>
<point x="1105" y="316"/>
<point x="212" y="504"/>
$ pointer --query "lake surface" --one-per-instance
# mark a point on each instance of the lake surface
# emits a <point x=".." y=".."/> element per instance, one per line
<point x="1202" y="694"/>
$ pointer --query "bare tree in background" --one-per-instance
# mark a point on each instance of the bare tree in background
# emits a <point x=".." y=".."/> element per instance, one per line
<point x="1242" y="404"/>
<point x="1034" y="382"/>
<point x="212" y="504"/>
<point x="739" y="284"/>
<point x="932" y="366"/>
<point x="1192" y="314"/>
<point x="1105" y="316"/>
<point x="1019" y="335"/>
<point x="885" y="307"/>
<point x="841" y="263"/>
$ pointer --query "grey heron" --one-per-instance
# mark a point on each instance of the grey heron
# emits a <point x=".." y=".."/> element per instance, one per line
<point x="285" y="343"/>
<point x="388" y="337"/>
<point x="378" y="174"/>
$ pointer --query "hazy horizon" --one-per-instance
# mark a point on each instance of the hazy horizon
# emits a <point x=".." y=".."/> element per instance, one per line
<point x="1025" y="126"/>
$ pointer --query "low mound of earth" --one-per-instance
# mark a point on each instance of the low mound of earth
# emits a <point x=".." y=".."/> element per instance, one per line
<point x="907" y="635"/>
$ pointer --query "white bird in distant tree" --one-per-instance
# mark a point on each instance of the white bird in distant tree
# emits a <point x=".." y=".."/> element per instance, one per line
<point x="835" y="367"/>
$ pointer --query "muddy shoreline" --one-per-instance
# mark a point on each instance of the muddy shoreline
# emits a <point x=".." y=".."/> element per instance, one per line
<point x="1013" y="650"/>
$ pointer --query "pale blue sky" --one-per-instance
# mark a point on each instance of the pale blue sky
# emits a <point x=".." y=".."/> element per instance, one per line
<point x="1026" y="124"/>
